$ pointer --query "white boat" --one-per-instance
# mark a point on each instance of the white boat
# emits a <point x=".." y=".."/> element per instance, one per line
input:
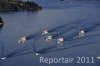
<point x="22" y="40"/>
<point x="98" y="57"/>
<point x="48" y="38"/>
<point x="36" y="54"/>
<point x="3" y="58"/>
<point x="45" y="32"/>
<point x="60" y="41"/>
<point x="81" y="33"/>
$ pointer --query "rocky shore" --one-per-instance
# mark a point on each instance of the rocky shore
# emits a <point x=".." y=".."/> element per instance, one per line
<point x="19" y="6"/>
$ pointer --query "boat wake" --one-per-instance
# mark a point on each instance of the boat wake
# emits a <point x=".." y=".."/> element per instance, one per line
<point x="70" y="33"/>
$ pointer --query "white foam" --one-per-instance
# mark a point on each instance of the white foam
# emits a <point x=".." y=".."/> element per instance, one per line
<point x="37" y="54"/>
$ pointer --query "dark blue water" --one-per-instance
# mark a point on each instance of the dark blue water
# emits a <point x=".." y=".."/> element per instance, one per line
<point x="62" y="19"/>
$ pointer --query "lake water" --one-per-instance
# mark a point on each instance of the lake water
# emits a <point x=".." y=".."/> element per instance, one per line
<point x="53" y="14"/>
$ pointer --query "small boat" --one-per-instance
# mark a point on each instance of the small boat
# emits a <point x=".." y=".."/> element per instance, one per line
<point x="60" y="41"/>
<point x="48" y="38"/>
<point x="81" y="33"/>
<point x="22" y="40"/>
<point x="98" y="57"/>
<point x="45" y="32"/>
<point x="3" y="58"/>
<point x="37" y="54"/>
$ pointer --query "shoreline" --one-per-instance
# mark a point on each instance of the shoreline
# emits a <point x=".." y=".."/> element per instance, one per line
<point x="1" y="22"/>
<point x="19" y="6"/>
